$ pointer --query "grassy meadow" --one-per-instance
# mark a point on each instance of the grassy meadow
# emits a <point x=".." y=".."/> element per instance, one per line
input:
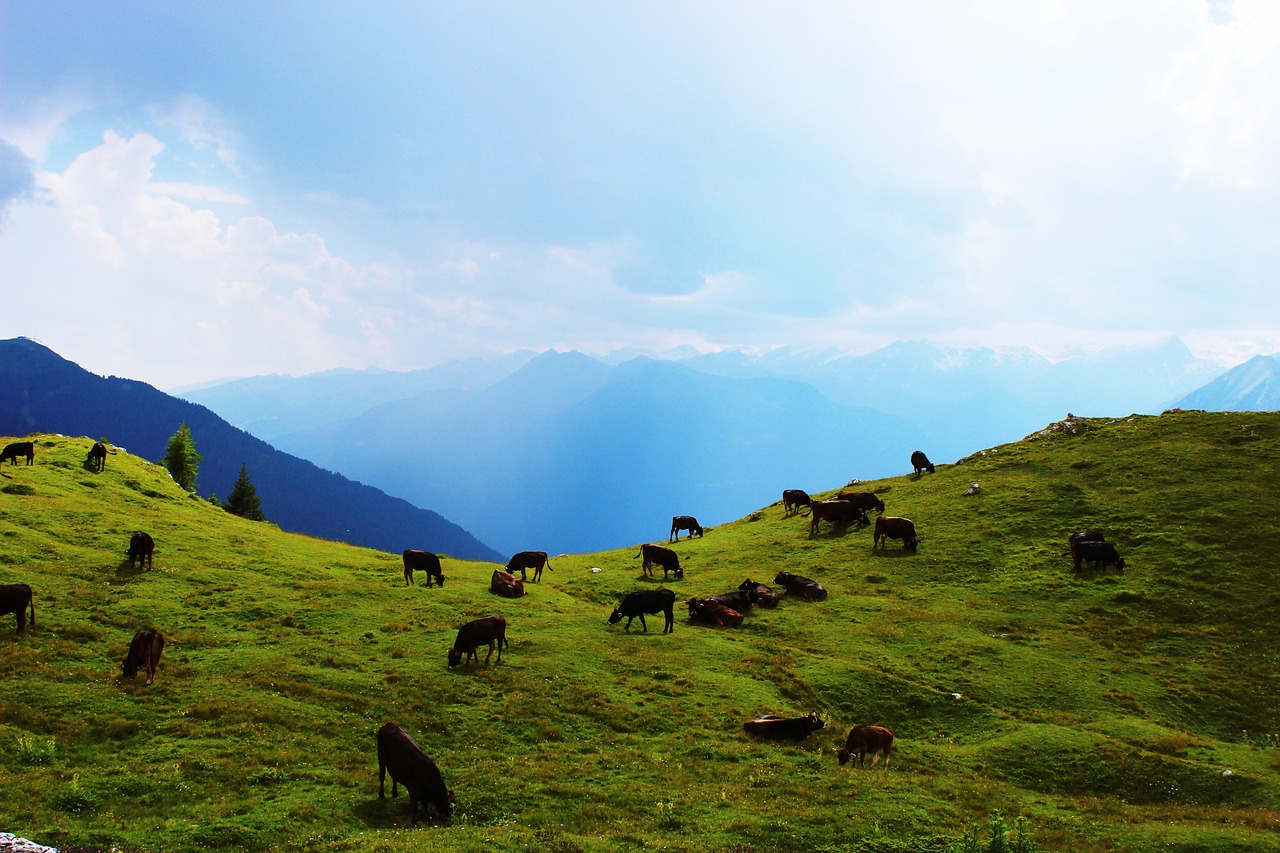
<point x="1112" y="710"/>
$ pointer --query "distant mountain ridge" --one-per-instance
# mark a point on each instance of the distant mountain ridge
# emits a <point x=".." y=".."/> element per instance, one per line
<point x="1250" y="387"/>
<point x="41" y="391"/>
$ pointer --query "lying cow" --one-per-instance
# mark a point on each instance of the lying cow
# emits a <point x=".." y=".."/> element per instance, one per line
<point x="400" y="755"/>
<point x="893" y="527"/>
<point x="876" y="741"/>
<point x="535" y="560"/>
<point x="97" y="458"/>
<point x="646" y="601"/>
<point x="740" y="599"/>
<point x="793" y="499"/>
<point x="660" y="555"/>
<point x="839" y="513"/>
<point x="1097" y="553"/>
<point x="141" y="547"/>
<point x="715" y="613"/>
<point x="144" y="651"/>
<point x="780" y="728"/>
<point x="866" y="501"/>
<point x="486" y="630"/>
<point x="920" y="462"/>
<point x="15" y="598"/>
<point x="764" y="596"/>
<point x="801" y="587"/>
<point x="15" y="449"/>
<point x="422" y="561"/>
<point x="684" y="522"/>
<point x="506" y="584"/>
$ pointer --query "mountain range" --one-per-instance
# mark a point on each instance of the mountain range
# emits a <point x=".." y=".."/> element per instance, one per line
<point x="1250" y="387"/>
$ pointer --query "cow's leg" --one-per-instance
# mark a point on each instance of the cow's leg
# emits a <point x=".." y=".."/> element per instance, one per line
<point x="642" y="624"/>
<point x="670" y="625"/>
<point x="408" y="576"/>
<point x="382" y="779"/>
<point x="413" y="808"/>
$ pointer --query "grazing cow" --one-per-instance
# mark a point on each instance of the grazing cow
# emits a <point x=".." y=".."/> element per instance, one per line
<point x="660" y="555"/>
<point x="478" y="632"/>
<point x="144" y="651"/>
<point x="1076" y="538"/>
<point x="920" y="462"/>
<point x="1097" y="553"/>
<point x="400" y="755"/>
<point x="713" y="613"/>
<point x="97" y="458"/>
<point x="793" y="499"/>
<point x="867" y="739"/>
<point x="15" y="598"/>
<point x="781" y="728"/>
<point x="800" y="587"/>
<point x="838" y="513"/>
<point x="506" y="584"/>
<point x="765" y="597"/>
<point x="684" y="522"/>
<point x="535" y="560"/>
<point x="141" y="547"/>
<point x="422" y="561"/>
<point x="646" y="601"/>
<point x="893" y="527"/>
<point x="864" y="500"/>
<point x="12" y="451"/>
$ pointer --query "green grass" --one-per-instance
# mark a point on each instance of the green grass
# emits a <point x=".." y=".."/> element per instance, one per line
<point x="1103" y="708"/>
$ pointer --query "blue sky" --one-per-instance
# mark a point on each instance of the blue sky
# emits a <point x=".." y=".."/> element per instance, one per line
<point x="199" y="190"/>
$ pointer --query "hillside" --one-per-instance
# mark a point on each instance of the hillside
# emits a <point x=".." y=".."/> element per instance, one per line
<point x="1105" y="708"/>
<point x="42" y="392"/>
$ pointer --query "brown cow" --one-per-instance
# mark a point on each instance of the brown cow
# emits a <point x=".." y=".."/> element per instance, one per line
<point x="893" y="527"/>
<point x="144" y="651"/>
<point x="529" y="560"/>
<point x="866" y="500"/>
<point x="867" y="739"/>
<point x="422" y="561"/>
<point x="506" y="584"/>
<point x="765" y="597"/>
<point x="714" y="613"/>
<point x="15" y="598"/>
<point x="838" y="513"/>
<point x="684" y="522"/>
<point x="660" y="555"/>
<point x="477" y="632"/>
<point x="400" y="755"/>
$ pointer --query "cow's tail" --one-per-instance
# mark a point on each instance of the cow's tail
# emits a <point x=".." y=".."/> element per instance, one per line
<point x="32" y="602"/>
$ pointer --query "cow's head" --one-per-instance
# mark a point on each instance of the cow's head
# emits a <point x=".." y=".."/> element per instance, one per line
<point x="782" y="578"/>
<point x="913" y="543"/>
<point x="455" y="657"/>
<point x="843" y="755"/>
<point x="615" y="617"/>
<point x="440" y="579"/>
<point x="129" y="667"/>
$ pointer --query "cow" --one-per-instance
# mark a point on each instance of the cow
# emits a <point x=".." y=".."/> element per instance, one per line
<point x="765" y="597"/>
<point x="740" y="599"/>
<point x="144" y="651"/>
<point x="893" y="527"/>
<point x="97" y="458"/>
<point x="15" y="449"/>
<point x="801" y="587"/>
<point x="660" y="555"/>
<point x="1076" y="538"/>
<point x="1097" y="553"/>
<point x="920" y="462"/>
<point x="862" y="740"/>
<point x="422" y="561"/>
<point x="684" y="522"/>
<point x="646" y="601"/>
<point x="793" y="499"/>
<point x="774" y="727"/>
<point x="713" y="613"/>
<point x="535" y="560"/>
<point x="400" y="755"/>
<point x="141" y="547"/>
<point x="478" y="632"/>
<point x="864" y="500"/>
<point x="506" y="584"/>
<point x="838" y="513"/>
<point x="15" y="598"/>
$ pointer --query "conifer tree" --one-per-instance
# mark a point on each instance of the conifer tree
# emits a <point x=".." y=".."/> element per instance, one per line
<point x="181" y="458"/>
<point x="243" y="500"/>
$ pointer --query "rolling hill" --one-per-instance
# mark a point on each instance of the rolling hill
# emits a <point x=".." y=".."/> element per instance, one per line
<point x="1107" y="711"/>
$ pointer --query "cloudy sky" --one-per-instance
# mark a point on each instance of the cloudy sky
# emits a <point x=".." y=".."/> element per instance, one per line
<point x="201" y="190"/>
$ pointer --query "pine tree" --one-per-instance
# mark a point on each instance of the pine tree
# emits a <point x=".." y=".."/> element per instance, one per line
<point x="181" y="458"/>
<point x="243" y="500"/>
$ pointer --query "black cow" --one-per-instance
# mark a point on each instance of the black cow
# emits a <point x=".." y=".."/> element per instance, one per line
<point x="1083" y="536"/>
<point x="97" y="458"/>
<point x="793" y="499"/>
<point x="422" y="561"/>
<point x="1097" y="553"/>
<point x="144" y="651"/>
<point x="893" y="527"/>
<point x="839" y="513"/>
<point x="141" y="547"/>
<point x="535" y="560"/>
<point x="801" y="587"/>
<point x="400" y="755"/>
<point x="684" y="522"/>
<point x="765" y="597"/>
<point x="876" y="740"/>
<point x="660" y="555"/>
<point x="920" y="462"/>
<point x="15" y="598"/>
<point x="12" y="451"/>
<point x="864" y="500"/>
<point x="740" y="599"/>
<point x="486" y="630"/>
<point x="506" y="584"/>
<point x="646" y="601"/>
<point x="781" y="728"/>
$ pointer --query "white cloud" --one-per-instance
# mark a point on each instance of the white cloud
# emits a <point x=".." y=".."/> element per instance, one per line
<point x="199" y="124"/>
